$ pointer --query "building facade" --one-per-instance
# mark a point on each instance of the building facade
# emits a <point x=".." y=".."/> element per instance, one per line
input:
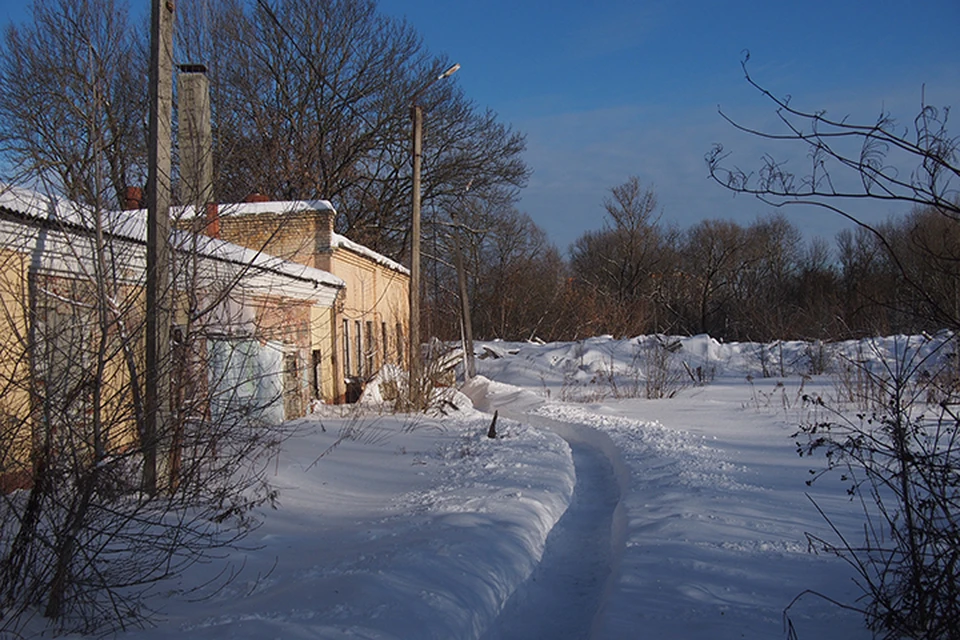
<point x="248" y="331"/>
<point x="371" y="317"/>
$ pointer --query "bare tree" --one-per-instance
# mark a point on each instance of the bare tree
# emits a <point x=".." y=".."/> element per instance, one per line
<point x="518" y="280"/>
<point x="312" y="100"/>
<point x="914" y="166"/>
<point x="771" y="257"/>
<point x="869" y="281"/>
<point x="817" y="293"/>
<point x="303" y="92"/>
<point x="929" y="244"/>
<point x="898" y="454"/>
<point x="73" y="99"/>
<point x="712" y="256"/>
<point x="619" y="263"/>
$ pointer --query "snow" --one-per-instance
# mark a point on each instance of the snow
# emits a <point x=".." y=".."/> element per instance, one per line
<point x="337" y="240"/>
<point x="62" y="251"/>
<point x="407" y="528"/>
<point x="605" y="517"/>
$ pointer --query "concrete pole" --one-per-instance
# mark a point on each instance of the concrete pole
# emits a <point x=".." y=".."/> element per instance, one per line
<point x="414" y="355"/>
<point x="157" y="381"/>
<point x="469" y="367"/>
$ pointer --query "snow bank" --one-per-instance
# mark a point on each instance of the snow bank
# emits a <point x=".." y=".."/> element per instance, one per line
<point x="387" y="527"/>
<point x="416" y="527"/>
<point x="709" y="535"/>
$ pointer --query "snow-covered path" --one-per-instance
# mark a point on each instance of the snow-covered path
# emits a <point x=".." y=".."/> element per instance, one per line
<point x="601" y="518"/>
<point x="707" y="538"/>
<point x="576" y="562"/>
<point x="563" y="596"/>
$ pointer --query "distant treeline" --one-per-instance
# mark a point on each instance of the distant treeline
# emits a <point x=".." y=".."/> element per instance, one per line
<point x="762" y="281"/>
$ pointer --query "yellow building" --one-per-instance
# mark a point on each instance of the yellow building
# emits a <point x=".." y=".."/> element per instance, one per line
<point x="251" y="331"/>
<point x="271" y="310"/>
<point x="371" y="317"/>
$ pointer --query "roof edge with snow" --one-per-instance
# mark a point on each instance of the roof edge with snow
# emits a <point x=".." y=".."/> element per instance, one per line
<point x="131" y="226"/>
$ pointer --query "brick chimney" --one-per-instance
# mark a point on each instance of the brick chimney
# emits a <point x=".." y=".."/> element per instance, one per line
<point x="132" y="198"/>
<point x="324" y="228"/>
<point x="212" y="221"/>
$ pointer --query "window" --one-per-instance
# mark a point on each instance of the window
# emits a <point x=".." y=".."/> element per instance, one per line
<point x="399" y="344"/>
<point x="371" y="349"/>
<point x="316" y="374"/>
<point x="383" y="339"/>
<point x="346" y="348"/>
<point x="66" y="359"/>
<point x="249" y="380"/>
<point x="359" y="341"/>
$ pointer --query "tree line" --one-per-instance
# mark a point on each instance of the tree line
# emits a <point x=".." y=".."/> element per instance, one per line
<point x="309" y="100"/>
<point x="760" y="281"/>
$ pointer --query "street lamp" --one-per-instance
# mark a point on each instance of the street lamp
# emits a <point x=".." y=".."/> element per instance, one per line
<point x="416" y="113"/>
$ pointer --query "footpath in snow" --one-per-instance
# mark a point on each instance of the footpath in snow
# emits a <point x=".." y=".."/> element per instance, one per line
<point x="603" y="518"/>
<point x="708" y="537"/>
<point x="575" y="565"/>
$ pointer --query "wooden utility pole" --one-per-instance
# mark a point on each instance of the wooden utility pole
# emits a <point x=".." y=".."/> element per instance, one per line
<point x="157" y="374"/>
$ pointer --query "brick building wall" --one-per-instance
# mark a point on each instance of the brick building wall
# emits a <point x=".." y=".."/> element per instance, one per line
<point x="372" y="315"/>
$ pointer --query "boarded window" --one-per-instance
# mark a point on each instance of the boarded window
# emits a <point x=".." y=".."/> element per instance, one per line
<point x="246" y="381"/>
<point x="292" y="400"/>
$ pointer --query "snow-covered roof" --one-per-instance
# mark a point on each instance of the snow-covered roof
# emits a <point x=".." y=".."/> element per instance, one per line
<point x="263" y="270"/>
<point x="298" y="206"/>
<point x="272" y="206"/>
<point x="279" y="206"/>
<point x="343" y="242"/>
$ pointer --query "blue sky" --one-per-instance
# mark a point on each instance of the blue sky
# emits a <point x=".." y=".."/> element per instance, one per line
<point x="626" y="87"/>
